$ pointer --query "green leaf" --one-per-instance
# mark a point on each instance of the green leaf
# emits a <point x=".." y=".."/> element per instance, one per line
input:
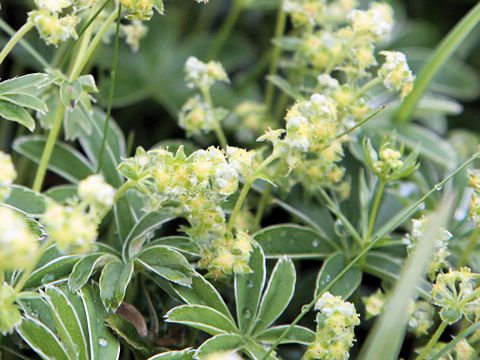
<point x="256" y="351"/>
<point x="83" y="269"/>
<point x="54" y="270"/>
<point x="76" y="122"/>
<point x="26" y="200"/>
<point x="26" y="101"/>
<point x="103" y="344"/>
<point x="167" y="263"/>
<point x="70" y="93"/>
<point x="285" y="86"/>
<point x="88" y="83"/>
<point x="12" y="112"/>
<point x="113" y="283"/>
<point x="346" y="285"/>
<point x="140" y="232"/>
<point x="294" y="241"/>
<point x="277" y="295"/>
<point x="61" y="193"/>
<point x="219" y="343"/>
<point x="201" y="317"/>
<point x="387" y="267"/>
<point x="41" y="339"/>
<point x="248" y="289"/>
<point x="297" y="335"/>
<point x="16" y="84"/>
<point x="65" y="161"/>
<point x="127" y="331"/>
<point x="186" y="354"/>
<point x="158" y="5"/>
<point x="68" y="324"/>
<point x="174" y="355"/>
<point x="184" y="245"/>
<point x="202" y="292"/>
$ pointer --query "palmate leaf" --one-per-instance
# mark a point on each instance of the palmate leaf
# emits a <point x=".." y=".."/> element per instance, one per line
<point x="84" y="268"/>
<point x="27" y="200"/>
<point x="13" y="112"/>
<point x="67" y="325"/>
<point x="219" y="343"/>
<point x="24" y="82"/>
<point x="186" y="354"/>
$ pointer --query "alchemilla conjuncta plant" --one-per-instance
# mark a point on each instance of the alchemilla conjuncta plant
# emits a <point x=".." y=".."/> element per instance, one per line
<point x="161" y="254"/>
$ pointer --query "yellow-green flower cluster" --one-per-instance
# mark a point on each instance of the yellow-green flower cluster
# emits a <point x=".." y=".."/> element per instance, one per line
<point x="133" y="33"/>
<point x="73" y="226"/>
<point x="395" y="73"/>
<point x="196" y="186"/>
<point x="198" y="113"/>
<point x="377" y="21"/>
<point x="56" y="20"/>
<point x="9" y="313"/>
<point x="203" y="75"/>
<point x="18" y="245"/>
<point x="335" y="329"/>
<point x="388" y="164"/>
<point x="7" y="175"/>
<point x="142" y="9"/>
<point x="474" y="182"/>
<point x="374" y="303"/>
<point x="439" y="257"/>
<point x="454" y="293"/>
<point x="249" y="120"/>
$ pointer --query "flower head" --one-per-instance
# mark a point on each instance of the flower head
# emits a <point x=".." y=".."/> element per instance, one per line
<point x="7" y="175"/>
<point x="18" y="244"/>
<point x="96" y="192"/>
<point x="395" y="72"/>
<point x="203" y="75"/>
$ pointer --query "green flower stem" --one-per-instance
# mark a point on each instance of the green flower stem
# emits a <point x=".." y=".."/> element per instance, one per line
<point x="111" y="90"/>
<point x="373" y="214"/>
<point x="123" y="189"/>
<point x="335" y="209"/>
<point x="262" y="205"/>
<point x="34" y="53"/>
<point x="368" y="86"/>
<point x="79" y="64"/>
<point x="226" y="29"/>
<point x="246" y="188"/>
<point x="218" y="129"/>
<point x="15" y="39"/>
<point x="82" y="60"/>
<point x="407" y="212"/>
<point x="433" y="340"/>
<point x="47" y="151"/>
<point x="441" y="55"/>
<point x="279" y="30"/>
<point x="27" y="271"/>
<point x="472" y="242"/>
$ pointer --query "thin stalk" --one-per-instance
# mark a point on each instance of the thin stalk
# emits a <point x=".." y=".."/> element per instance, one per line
<point x="34" y="53"/>
<point x="218" y="129"/>
<point x="433" y="340"/>
<point x="279" y="30"/>
<point x="123" y="189"/>
<point x="369" y="85"/>
<point x="225" y="29"/>
<point x="441" y="55"/>
<point x="373" y="214"/>
<point x="377" y="238"/>
<point x="47" y="151"/>
<point x="79" y="65"/>
<point x="245" y="189"/>
<point x="31" y="266"/>
<point x="460" y="336"/>
<point x="81" y="32"/>
<point x="334" y="208"/>
<point x="111" y="90"/>
<point x="262" y="205"/>
<point x="15" y="39"/>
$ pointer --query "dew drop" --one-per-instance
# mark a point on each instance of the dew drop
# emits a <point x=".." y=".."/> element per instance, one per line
<point x="247" y="314"/>
<point x="304" y="308"/>
<point x="47" y="278"/>
<point x="421" y="206"/>
<point x="339" y="228"/>
<point x="328" y="278"/>
<point x="34" y="314"/>
<point x="315" y="244"/>
<point x="250" y="283"/>
<point x="102" y="342"/>
<point x="438" y="187"/>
